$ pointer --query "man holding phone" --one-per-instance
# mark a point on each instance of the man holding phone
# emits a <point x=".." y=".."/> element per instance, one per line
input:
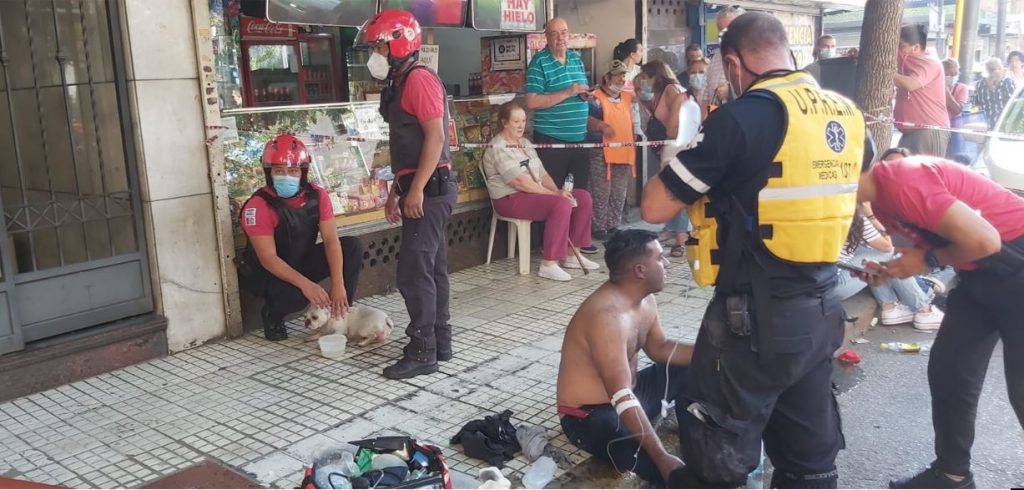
<point x="958" y="218"/>
<point x="557" y="92"/>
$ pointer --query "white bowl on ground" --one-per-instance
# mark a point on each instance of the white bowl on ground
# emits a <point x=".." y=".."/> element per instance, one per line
<point x="333" y="346"/>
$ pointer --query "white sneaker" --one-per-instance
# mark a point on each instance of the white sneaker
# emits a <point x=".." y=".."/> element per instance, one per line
<point x="572" y="263"/>
<point x="928" y="321"/>
<point x="553" y="272"/>
<point x="898" y="315"/>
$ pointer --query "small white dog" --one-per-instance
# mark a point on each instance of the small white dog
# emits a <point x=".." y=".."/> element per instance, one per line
<point x="364" y="324"/>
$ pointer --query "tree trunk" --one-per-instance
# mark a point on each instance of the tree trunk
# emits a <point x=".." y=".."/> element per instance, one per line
<point x="876" y="64"/>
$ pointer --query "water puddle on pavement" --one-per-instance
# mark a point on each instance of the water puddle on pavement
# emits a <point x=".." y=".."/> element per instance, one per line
<point x="844" y="378"/>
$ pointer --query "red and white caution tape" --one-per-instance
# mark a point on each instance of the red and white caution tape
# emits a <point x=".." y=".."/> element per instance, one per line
<point x="976" y="132"/>
<point x="330" y="139"/>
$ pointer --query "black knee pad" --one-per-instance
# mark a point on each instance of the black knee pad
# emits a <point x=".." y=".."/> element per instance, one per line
<point x="785" y="479"/>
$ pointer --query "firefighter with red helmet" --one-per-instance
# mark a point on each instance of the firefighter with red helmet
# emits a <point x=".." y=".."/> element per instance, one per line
<point x="283" y="262"/>
<point x="423" y="193"/>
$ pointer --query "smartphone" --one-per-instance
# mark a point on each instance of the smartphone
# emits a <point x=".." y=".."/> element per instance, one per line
<point x="856" y="268"/>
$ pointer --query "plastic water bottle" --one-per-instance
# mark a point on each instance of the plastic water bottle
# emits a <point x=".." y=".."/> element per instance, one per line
<point x="901" y="347"/>
<point x="540" y="473"/>
<point x="568" y="186"/>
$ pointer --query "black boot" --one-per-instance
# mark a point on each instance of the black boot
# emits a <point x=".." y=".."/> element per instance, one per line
<point x="407" y="368"/>
<point x="273" y="330"/>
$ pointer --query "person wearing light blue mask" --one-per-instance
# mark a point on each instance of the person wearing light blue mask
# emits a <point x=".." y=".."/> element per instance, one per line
<point x="674" y="114"/>
<point x="696" y="75"/>
<point x="282" y="261"/>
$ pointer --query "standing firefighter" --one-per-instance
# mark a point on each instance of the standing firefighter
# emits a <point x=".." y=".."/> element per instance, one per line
<point x="771" y="189"/>
<point x="282" y="221"/>
<point x="423" y="193"/>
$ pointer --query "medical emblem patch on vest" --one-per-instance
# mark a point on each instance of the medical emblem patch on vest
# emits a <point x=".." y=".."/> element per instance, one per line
<point x="835" y="136"/>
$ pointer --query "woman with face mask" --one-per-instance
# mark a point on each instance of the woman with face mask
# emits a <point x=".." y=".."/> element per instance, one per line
<point x="283" y="263"/>
<point x="694" y="79"/>
<point x="676" y="117"/>
<point x="920" y="95"/>
<point x="957" y="95"/>
<point x="611" y="169"/>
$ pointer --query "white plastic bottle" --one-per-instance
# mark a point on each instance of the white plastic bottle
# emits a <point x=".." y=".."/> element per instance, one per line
<point x="569" y="185"/>
<point x="540" y="473"/>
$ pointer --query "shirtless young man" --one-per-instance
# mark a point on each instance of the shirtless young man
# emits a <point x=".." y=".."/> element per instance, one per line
<point x="606" y="406"/>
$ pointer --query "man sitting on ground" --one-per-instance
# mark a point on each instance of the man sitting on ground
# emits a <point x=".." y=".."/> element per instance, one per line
<point x="606" y="406"/>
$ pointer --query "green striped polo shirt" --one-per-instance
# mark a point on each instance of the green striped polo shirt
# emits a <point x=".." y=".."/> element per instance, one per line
<point x="566" y="120"/>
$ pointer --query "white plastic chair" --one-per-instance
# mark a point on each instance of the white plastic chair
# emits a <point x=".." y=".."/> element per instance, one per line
<point x="517" y="229"/>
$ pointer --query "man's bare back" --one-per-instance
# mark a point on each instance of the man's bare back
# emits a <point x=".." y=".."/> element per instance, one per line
<point x="578" y="380"/>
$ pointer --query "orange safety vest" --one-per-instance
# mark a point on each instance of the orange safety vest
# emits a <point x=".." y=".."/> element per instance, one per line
<point x="619" y="116"/>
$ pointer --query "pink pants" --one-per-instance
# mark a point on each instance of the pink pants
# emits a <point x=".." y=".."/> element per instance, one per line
<point x="561" y="220"/>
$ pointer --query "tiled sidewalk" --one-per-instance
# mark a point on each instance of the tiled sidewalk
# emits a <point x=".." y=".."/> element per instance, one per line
<point x="269" y="408"/>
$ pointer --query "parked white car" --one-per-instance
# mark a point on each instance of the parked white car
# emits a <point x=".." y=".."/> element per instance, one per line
<point x="1003" y="159"/>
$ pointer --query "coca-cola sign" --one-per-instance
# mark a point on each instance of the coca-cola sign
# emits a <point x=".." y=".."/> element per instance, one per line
<point x="253" y="28"/>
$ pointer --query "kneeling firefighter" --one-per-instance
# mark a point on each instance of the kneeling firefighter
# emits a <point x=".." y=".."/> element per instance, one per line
<point x="282" y="262"/>
<point x="772" y="186"/>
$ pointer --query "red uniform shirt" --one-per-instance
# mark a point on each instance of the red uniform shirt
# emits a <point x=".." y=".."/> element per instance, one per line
<point x="920" y="190"/>
<point x="423" y="96"/>
<point x="259" y="219"/>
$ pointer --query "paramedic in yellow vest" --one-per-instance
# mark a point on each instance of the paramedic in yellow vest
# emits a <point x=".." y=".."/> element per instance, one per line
<point x="776" y="170"/>
<point x="611" y="169"/>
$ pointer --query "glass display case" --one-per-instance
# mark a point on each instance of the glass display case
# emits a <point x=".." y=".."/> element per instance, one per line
<point x="355" y="174"/>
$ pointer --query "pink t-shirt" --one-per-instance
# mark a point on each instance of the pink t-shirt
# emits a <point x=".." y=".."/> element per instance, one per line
<point x="960" y="95"/>
<point x="259" y="219"/>
<point x="919" y="190"/>
<point x="926" y="105"/>
<point x="423" y="95"/>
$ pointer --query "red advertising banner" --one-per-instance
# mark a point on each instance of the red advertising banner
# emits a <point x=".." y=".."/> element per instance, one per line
<point x="257" y="28"/>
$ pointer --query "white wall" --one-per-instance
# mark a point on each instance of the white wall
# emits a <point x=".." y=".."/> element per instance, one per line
<point x="459" y="54"/>
<point x="174" y="170"/>
<point x="613" y="21"/>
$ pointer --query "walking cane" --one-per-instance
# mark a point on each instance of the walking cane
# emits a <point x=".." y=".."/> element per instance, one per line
<point x="579" y="258"/>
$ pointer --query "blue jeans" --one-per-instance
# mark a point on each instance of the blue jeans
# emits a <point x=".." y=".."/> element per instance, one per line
<point x="679" y="224"/>
<point x="906" y="291"/>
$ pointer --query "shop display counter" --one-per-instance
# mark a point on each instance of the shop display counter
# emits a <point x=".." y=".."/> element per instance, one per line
<point x="356" y="174"/>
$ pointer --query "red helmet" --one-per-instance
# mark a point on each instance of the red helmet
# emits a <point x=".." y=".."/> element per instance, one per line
<point x="285" y="150"/>
<point x="398" y="28"/>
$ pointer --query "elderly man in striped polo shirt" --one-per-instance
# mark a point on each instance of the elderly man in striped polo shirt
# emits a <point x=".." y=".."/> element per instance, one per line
<point x="557" y="92"/>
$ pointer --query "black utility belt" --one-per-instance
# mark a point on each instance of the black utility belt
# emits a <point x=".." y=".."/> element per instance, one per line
<point x="436" y="186"/>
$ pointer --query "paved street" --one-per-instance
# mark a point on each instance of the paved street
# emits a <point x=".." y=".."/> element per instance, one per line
<point x="887" y="418"/>
<point x="268" y="408"/>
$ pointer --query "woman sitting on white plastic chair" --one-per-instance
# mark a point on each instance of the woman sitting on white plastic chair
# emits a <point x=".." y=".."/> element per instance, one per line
<point x="521" y="189"/>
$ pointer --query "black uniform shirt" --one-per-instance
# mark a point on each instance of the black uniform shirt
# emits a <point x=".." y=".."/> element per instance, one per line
<point x="740" y="140"/>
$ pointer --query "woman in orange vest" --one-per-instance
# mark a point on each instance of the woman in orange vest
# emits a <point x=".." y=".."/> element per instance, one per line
<point x="611" y="169"/>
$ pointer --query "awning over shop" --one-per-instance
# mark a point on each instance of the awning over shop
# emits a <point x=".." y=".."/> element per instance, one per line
<point x="809" y="7"/>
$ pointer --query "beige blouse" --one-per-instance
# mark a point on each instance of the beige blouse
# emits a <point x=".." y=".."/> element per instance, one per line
<point x="502" y="165"/>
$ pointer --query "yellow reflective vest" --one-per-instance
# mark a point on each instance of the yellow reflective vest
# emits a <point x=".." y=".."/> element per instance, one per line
<point x="804" y="211"/>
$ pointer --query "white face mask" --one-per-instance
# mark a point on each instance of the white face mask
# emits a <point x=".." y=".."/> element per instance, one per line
<point x="827" y="53"/>
<point x="378" y="66"/>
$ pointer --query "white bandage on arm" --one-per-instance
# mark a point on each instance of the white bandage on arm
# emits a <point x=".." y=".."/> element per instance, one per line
<point x="622" y="394"/>
<point x="623" y="400"/>
<point x="626" y="405"/>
